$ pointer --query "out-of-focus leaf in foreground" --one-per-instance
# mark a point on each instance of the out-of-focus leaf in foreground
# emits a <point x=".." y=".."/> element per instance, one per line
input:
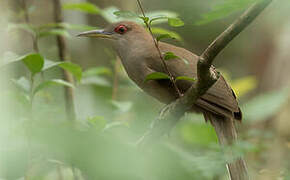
<point x="192" y="132"/>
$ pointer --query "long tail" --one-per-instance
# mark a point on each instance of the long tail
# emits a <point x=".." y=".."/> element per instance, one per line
<point x="227" y="135"/>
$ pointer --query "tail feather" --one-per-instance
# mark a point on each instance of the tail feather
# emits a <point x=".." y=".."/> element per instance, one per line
<point x="227" y="135"/>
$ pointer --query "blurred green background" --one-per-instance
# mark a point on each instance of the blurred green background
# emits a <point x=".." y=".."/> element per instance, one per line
<point x="39" y="143"/>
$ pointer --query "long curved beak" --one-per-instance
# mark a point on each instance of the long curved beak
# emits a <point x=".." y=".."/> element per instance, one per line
<point x="96" y="33"/>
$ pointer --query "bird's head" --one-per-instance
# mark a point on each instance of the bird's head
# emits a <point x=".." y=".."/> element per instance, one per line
<point x="124" y="33"/>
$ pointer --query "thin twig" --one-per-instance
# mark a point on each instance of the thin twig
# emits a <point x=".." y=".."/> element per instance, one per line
<point x="172" y="79"/>
<point x="64" y="56"/>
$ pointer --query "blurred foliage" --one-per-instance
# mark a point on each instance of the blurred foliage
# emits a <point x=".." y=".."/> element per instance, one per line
<point x="265" y="105"/>
<point x="38" y="143"/>
<point x="241" y="86"/>
<point x="224" y="9"/>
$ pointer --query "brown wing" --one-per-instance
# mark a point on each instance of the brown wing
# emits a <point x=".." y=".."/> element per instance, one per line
<point x="219" y="99"/>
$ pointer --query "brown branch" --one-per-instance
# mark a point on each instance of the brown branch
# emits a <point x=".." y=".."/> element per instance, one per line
<point x="27" y="20"/>
<point x="224" y="128"/>
<point x="64" y="56"/>
<point x="159" y="51"/>
<point x="206" y="79"/>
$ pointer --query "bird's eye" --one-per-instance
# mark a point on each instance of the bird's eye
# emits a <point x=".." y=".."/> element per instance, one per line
<point x="121" y="29"/>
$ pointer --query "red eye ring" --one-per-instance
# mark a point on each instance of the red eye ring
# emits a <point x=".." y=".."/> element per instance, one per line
<point x="121" y="29"/>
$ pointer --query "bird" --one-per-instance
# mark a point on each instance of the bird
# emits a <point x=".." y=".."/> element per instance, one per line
<point x="140" y="57"/>
<point x="140" y="53"/>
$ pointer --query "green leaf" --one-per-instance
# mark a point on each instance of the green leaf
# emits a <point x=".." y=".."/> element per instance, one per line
<point x="145" y="19"/>
<point x="126" y="14"/>
<point x="185" y="78"/>
<point x="83" y="7"/>
<point x="74" y="69"/>
<point x="34" y="62"/>
<point x="160" y="31"/>
<point x="158" y="19"/>
<point x="175" y="22"/>
<point x="265" y="105"/>
<point x="161" y="16"/>
<point x="156" y="76"/>
<point x="169" y="56"/>
<point x="164" y="36"/>
<point x="220" y="11"/>
<point x="97" y="71"/>
<point x="52" y="82"/>
<point x="54" y="32"/>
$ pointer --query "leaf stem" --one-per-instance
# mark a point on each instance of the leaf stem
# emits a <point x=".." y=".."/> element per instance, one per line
<point x="172" y="79"/>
